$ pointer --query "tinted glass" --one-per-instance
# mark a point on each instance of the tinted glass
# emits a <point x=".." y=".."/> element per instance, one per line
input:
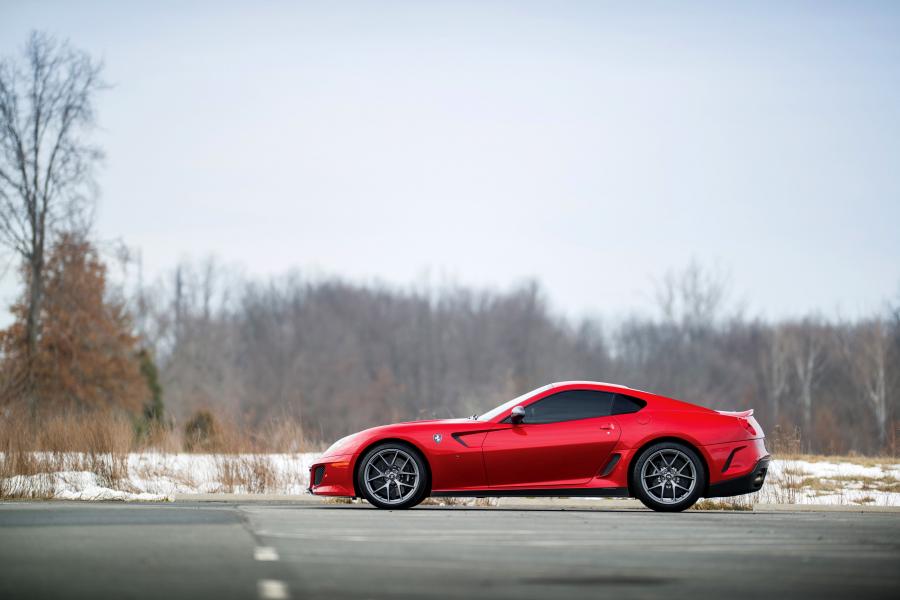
<point x="510" y="403"/>
<point x="569" y="406"/>
<point x="624" y="405"/>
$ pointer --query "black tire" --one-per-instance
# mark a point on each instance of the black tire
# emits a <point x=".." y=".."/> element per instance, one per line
<point x="394" y="460"/>
<point x="672" y="467"/>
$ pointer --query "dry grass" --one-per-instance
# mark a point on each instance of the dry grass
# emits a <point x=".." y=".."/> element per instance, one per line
<point x="34" y="450"/>
<point x="784" y="487"/>
<point x="284" y="436"/>
<point x="786" y="444"/>
<point x="242" y="458"/>
<point x="854" y="459"/>
<point x="837" y="483"/>
<point x="338" y="500"/>
<point x="819" y="485"/>
<point x="733" y="503"/>
<point x="458" y="501"/>
<point x="246" y="473"/>
<point x="445" y="501"/>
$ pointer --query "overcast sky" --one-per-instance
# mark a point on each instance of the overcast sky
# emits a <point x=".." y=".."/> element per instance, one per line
<point x="590" y="145"/>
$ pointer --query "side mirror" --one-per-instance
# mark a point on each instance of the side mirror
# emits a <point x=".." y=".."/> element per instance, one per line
<point x="517" y="415"/>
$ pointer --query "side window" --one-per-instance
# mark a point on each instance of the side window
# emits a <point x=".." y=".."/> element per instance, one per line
<point x="624" y="405"/>
<point x="569" y="406"/>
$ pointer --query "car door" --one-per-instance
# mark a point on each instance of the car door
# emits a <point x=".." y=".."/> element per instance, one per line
<point x="564" y="440"/>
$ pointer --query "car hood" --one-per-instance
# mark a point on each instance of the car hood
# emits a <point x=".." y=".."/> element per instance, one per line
<point x="352" y="443"/>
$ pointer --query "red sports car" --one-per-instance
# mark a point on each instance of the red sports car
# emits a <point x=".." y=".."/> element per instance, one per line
<point x="577" y="438"/>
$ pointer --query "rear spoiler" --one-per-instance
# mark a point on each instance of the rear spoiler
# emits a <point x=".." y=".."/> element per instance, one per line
<point x="745" y="418"/>
<point x="737" y="413"/>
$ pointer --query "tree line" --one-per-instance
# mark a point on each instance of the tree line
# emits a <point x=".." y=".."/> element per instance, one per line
<point x="336" y="356"/>
<point x="339" y="356"/>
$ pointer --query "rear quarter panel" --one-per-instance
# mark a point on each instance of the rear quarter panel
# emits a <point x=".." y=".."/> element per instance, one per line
<point x="712" y="434"/>
<point x="701" y="428"/>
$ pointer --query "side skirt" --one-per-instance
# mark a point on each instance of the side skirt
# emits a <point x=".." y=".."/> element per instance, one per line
<point x="560" y="492"/>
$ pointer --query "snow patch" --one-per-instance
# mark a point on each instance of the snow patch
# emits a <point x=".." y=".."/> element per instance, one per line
<point x="831" y="483"/>
<point x="76" y="485"/>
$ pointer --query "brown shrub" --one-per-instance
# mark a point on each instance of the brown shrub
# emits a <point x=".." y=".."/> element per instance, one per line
<point x="201" y="432"/>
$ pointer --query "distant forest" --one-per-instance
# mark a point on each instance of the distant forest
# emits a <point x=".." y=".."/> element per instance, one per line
<point x="339" y="356"/>
<point x="333" y="356"/>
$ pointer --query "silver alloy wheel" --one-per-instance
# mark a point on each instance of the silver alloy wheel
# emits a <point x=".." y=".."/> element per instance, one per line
<point x="392" y="476"/>
<point x="668" y="476"/>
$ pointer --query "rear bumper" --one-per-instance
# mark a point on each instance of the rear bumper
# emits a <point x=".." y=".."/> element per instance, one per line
<point x="332" y="476"/>
<point x="733" y="459"/>
<point x="745" y="484"/>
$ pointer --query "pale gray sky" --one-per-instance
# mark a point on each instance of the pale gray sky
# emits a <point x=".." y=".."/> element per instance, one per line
<point x="590" y="145"/>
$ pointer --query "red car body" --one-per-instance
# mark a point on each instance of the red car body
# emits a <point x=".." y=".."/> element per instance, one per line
<point x="585" y="457"/>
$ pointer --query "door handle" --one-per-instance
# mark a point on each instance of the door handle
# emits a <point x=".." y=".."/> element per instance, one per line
<point x="607" y="426"/>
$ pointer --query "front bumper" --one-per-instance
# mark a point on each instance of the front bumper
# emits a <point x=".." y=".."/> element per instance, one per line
<point x="745" y="484"/>
<point x="332" y="476"/>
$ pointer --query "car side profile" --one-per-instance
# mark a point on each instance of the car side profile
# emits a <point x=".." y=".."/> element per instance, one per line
<point x="574" y="438"/>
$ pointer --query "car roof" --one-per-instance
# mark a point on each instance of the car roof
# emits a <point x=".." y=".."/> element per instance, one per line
<point x="659" y="401"/>
<point x="601" y="383"/>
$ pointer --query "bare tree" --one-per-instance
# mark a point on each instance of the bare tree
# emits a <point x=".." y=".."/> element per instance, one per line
<point x="693" y="298"/>
<point x="775" y="369"/>
<point x="866" y="349"/>
<point x="46" y="107"/>
<point x="806" y="347"/>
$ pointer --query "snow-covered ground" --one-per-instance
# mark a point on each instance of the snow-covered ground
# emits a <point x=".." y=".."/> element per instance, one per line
<point x="74" y="485"/>
<point x="158" y="477"/>
<point x="827" y="482"/>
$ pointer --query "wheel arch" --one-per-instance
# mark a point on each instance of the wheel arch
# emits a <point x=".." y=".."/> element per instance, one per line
<point x="666" y="438"/>
<point x="371" y="444"/>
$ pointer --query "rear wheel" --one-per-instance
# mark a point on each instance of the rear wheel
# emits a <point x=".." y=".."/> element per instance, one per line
<point x="668" y="476"/>
<point x="392" y="475"/>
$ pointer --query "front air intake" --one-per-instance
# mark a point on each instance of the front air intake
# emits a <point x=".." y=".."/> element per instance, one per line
<point x="318" y="474"/>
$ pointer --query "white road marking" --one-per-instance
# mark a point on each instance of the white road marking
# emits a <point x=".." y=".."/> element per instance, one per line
<point x="265" y="553"/>
<point x="272" y="589"/>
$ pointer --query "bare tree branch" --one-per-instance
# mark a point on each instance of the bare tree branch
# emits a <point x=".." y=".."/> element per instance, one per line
<point x="46" y="166"/>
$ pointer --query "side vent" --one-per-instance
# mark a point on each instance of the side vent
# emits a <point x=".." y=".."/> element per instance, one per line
<point x="610" y="465"/>
<point x="729" y="459"/>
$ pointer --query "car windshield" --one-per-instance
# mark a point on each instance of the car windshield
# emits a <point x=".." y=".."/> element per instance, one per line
<point x="491" y="414"/>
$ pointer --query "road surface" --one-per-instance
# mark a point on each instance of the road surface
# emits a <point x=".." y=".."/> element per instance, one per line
<point x="271" y="550"/>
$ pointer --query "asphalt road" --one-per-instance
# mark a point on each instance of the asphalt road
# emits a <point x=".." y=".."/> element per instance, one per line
<point x="259" y="550"/>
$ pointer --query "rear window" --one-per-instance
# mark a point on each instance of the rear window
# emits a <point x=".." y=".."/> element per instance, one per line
<point x="623" y="405"/>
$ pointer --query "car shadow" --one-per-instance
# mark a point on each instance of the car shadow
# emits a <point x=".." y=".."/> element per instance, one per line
<point x="475" y="508"/>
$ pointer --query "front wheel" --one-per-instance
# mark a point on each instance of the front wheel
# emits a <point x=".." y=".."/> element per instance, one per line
<point x="392" y="475"/>
<point x="668" y="477"/>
